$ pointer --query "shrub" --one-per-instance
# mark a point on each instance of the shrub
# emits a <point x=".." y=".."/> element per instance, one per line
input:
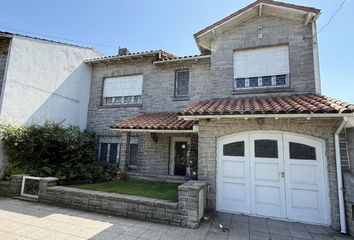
<point x="53" y="150"/>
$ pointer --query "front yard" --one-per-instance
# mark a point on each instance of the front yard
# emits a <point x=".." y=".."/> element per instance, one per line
<point x="159" y="190"/>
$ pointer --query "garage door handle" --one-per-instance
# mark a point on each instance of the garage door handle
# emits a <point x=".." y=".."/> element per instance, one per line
<point x="282" y="174"/>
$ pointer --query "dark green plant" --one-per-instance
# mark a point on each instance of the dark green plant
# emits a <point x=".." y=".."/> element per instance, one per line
<point x="53" y="150"/>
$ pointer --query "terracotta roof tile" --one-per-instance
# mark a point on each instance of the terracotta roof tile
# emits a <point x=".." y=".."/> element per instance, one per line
<point x="297" y="104"/>
<point x="156" y="121"/>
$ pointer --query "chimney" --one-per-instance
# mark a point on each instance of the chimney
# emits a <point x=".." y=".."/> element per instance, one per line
<point x="123" y="51"/>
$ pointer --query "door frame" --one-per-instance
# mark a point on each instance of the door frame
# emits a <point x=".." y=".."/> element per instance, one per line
<point x="323" y="154"/>
<point x="172" y="152"/>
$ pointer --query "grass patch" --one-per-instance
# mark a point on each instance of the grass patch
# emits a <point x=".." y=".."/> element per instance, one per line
<point x="159" y="190"/>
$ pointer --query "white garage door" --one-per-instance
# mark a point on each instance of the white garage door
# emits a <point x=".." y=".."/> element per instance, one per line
<point x="273" y="175"/>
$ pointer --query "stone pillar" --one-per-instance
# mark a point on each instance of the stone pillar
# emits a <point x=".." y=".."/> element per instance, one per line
<point x="15" y="185"/>
<point x="192" y="199"/>
<point x="3" y="158"/>
<point x="125" y="151"/>
<point x="350" y="142"/>
<point x="44" y="183"/>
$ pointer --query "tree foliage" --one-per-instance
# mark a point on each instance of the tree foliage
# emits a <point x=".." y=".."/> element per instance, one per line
<point x="53" y="150"/>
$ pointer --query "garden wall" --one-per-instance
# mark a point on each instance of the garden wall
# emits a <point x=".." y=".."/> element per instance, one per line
<point x="187" y="211"/>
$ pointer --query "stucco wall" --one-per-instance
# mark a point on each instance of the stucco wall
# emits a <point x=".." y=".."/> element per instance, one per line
<point x="46" y="81"/>
<point x="275" y="31"/>
<point x="209" y="131"/>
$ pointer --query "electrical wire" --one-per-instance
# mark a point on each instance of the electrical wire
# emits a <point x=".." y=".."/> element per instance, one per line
<point x="334" y="14"/>
<point x="56" y="38"/>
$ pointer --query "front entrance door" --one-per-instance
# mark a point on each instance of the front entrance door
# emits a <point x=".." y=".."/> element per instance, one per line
<point x="273" y="175"/>
<point x="178" y="156"/>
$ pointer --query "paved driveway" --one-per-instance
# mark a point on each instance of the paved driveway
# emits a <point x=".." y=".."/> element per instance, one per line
<point x="26" y="220"/>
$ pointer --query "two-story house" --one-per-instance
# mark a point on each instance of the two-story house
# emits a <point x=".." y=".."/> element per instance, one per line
<point x="269" y="144"/>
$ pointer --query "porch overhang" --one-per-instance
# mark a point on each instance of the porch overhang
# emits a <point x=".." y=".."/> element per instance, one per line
<point x="296" y="106"/>
<point x="162" y="122"/>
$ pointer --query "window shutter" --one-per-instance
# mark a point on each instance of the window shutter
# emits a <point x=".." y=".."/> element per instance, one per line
<point x="269" y="61"/>
<point x="123" y="86"/>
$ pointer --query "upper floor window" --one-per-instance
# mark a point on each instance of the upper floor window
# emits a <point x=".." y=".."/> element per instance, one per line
<point x="122" y="90"/>
<point x="182" y="83"/>
<point x="261" y="67"/>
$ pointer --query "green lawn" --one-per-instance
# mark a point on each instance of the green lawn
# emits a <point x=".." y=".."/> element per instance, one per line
<point x="159" y="190"/>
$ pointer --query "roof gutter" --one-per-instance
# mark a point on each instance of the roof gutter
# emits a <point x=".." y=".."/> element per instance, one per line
<point x="343" y="227"/>
<point x="194" y="130"/>
<point x="181" y="59"/>
<point x="308" y="115"/>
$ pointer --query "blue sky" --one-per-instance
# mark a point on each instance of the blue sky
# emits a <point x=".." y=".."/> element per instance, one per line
<point x="170" y="25"/>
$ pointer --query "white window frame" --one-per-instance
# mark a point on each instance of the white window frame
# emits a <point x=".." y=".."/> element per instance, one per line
<point x="23" y="186"/>
<point x="109" y="140"/>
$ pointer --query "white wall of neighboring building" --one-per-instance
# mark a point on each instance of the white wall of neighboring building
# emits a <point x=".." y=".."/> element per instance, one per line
<point x="46" y="81"/>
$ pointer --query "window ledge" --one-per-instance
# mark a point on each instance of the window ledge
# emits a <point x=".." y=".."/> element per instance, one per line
<point x="181" y="99"/>
<point x="120" y="106"/>
<point x="262" y="90"/>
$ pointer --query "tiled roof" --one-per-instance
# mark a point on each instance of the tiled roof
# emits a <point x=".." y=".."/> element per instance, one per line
<point x="132" y="54"/>
<point x="297" y="104"/>
<point x="156" y="121"/>
<point x="280" y="4"/>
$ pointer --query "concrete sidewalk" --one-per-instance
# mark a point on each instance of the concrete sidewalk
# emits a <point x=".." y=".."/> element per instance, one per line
<point x="27" y="220"/>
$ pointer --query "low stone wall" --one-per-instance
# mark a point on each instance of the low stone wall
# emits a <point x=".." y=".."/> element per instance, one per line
<point x="187" y="212"/>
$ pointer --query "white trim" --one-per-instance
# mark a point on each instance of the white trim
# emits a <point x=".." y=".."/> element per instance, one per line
<point x="172" y="152"/>
<point x="263" y="4"/>
<point x="343" y="226"/>
<point x="155" y="130"/>
<point x="316" y="61"/>
<point x="309" y="115"/>
<point x="181" y="59"/>
<point x="222" y="139"/>
<point x="23" y="186"/>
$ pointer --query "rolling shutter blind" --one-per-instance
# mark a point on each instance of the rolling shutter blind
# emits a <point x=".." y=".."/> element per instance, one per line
<point x="260" y="62"/>
<point x="123" y="86"/>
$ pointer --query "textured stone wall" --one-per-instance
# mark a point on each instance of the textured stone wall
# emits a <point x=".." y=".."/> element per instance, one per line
<point x="349" y="201"/>
<point x="275" y="31"/>
<point x="158" y="90"/>
<point x="187" y="212"/>
<point x="209" y="131"/>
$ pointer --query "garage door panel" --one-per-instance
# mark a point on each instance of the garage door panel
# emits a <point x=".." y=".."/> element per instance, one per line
<point x="267" y="171"/>
<point x="304" y="198"/>
<point x="268" y="195"/>
<point x="303" y="174"/>
<point x="234" y="169"/>
<point x="234" y="191"/>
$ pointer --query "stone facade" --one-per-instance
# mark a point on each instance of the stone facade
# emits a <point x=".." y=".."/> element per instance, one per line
<point x="276" y="31"/>
<point x="349" y="201"/>
<point x="210" y="131"/>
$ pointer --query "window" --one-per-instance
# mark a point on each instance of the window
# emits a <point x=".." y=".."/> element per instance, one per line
<point x="108" y="149"/>
<point x="236" y="149"/>
<point x="262" y="67"/>
<point x="266" y="148"/>
<point x="122" y="90"/>
<point x="240" y="83"/>
<point x="301" y="151"/>
<point x="182" y="83"/>
<point x="133" y="156"/>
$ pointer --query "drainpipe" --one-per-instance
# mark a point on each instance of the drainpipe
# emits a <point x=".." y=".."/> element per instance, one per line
<point x="343" y="227"/>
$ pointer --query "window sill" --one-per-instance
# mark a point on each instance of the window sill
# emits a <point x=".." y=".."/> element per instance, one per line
<point x="180" y="99"/>
<point x="120" y="106"/>
<point x="262" y="90"/>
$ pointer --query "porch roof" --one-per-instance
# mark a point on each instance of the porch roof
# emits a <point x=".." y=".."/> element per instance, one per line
<point x="156" y="122"/>
<point x="270" y="105"/>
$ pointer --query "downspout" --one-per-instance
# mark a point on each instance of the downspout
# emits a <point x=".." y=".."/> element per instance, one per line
<point x="343" y="227"/>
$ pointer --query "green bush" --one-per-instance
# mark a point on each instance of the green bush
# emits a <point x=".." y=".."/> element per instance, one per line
<point x="53" y="150"/>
